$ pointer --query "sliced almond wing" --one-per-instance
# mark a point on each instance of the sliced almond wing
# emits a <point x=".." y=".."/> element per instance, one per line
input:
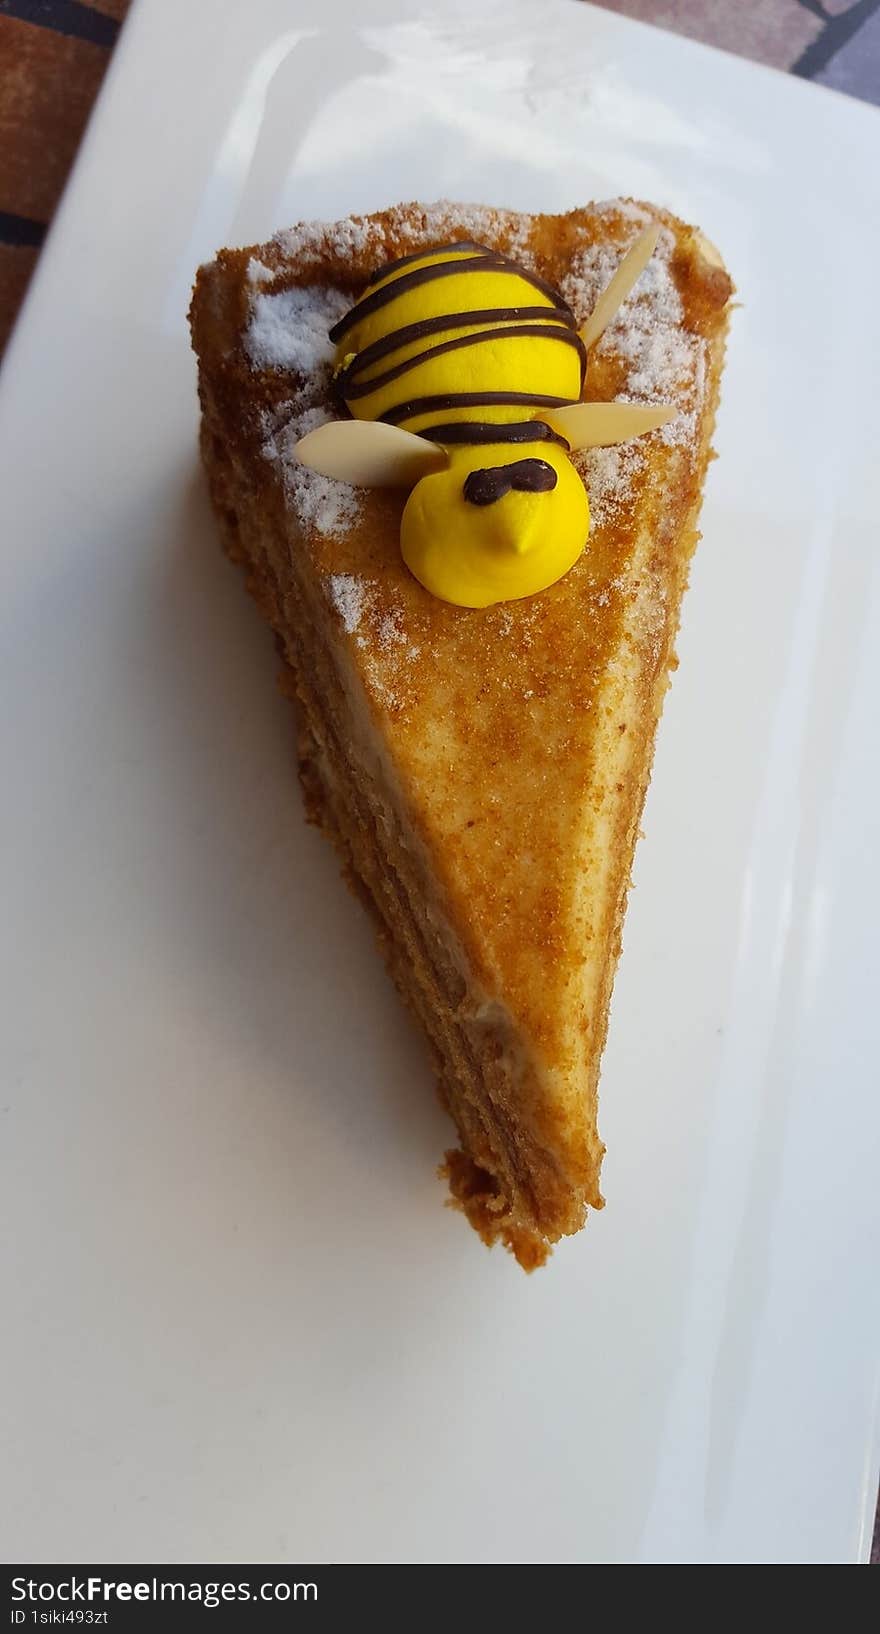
<point x="613" y="297"/>
<point x="599" y="425"/>
<point x="369" y="454"/>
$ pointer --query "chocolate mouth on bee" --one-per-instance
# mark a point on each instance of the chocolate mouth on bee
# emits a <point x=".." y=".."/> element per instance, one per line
<point x="492" y="482"/>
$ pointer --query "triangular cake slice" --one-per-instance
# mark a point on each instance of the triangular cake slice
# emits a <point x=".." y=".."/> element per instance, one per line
<point x="481" y="772"/>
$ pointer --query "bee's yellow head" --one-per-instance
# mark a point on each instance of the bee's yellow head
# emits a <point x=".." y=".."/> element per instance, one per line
<point x="497" y="523"/>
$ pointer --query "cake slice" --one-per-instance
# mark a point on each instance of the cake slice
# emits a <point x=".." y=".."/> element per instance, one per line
<point x="481" y="771"/>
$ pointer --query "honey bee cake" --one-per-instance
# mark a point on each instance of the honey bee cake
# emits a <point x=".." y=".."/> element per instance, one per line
<point x="461" y="454"/>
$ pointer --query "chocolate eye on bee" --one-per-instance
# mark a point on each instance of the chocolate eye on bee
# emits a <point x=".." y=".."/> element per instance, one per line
<point x="492" y="482"/>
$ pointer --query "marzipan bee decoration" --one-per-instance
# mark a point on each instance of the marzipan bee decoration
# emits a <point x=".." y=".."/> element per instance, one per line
<point x="464" y="375"/>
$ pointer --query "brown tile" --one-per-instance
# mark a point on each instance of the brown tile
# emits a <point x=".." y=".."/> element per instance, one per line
<point x="110" y="8"/>
<point x="16" y="265"/>
<point x="770" y="31"/>
<point x="48" y="83"/>
<point x="855" y="68"/>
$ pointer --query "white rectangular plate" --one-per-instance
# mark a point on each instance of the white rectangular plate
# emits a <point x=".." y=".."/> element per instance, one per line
<point x="240" y="1323"/>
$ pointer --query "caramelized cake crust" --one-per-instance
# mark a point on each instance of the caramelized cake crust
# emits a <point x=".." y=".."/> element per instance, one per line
<point x="481" y="772"/>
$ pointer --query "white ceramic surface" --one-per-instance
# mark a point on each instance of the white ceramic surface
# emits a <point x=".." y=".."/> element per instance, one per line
<point x="240" y="1325"/>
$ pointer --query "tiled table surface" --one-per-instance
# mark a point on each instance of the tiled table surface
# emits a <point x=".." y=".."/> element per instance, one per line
<point x="53" y="55"/>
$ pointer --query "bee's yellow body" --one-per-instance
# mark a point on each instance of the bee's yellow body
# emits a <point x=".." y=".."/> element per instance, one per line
<point x="465" y="348"/>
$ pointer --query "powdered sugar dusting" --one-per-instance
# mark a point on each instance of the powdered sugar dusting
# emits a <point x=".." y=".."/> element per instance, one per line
<point x="288" y="327"/>
<point x="390" y="632"/>
<point x="329" y="507"/>
<point x="663" y="361"/>
<point x="648" y="614"/>
<point x="378" y="629"/>
<point x="648" y="333"/>
<point x="608" y="477"/>
<point x="258" y="272"/>
<point x="320" y="503"/>
<point x="311" y="242"/>
<point x="444" y="221"/>
<point x="625" y="210"/>
<point x="347" y="594"/>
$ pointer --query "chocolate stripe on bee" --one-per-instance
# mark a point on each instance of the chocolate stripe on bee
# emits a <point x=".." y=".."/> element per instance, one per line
<point x="458" y="246"/>
<point x="410" y="332"/>
<point x="471" y="433"/>
<point x="471" y="399"/>
<point x="513" y="332"/>
<point x="368" y="304"/>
